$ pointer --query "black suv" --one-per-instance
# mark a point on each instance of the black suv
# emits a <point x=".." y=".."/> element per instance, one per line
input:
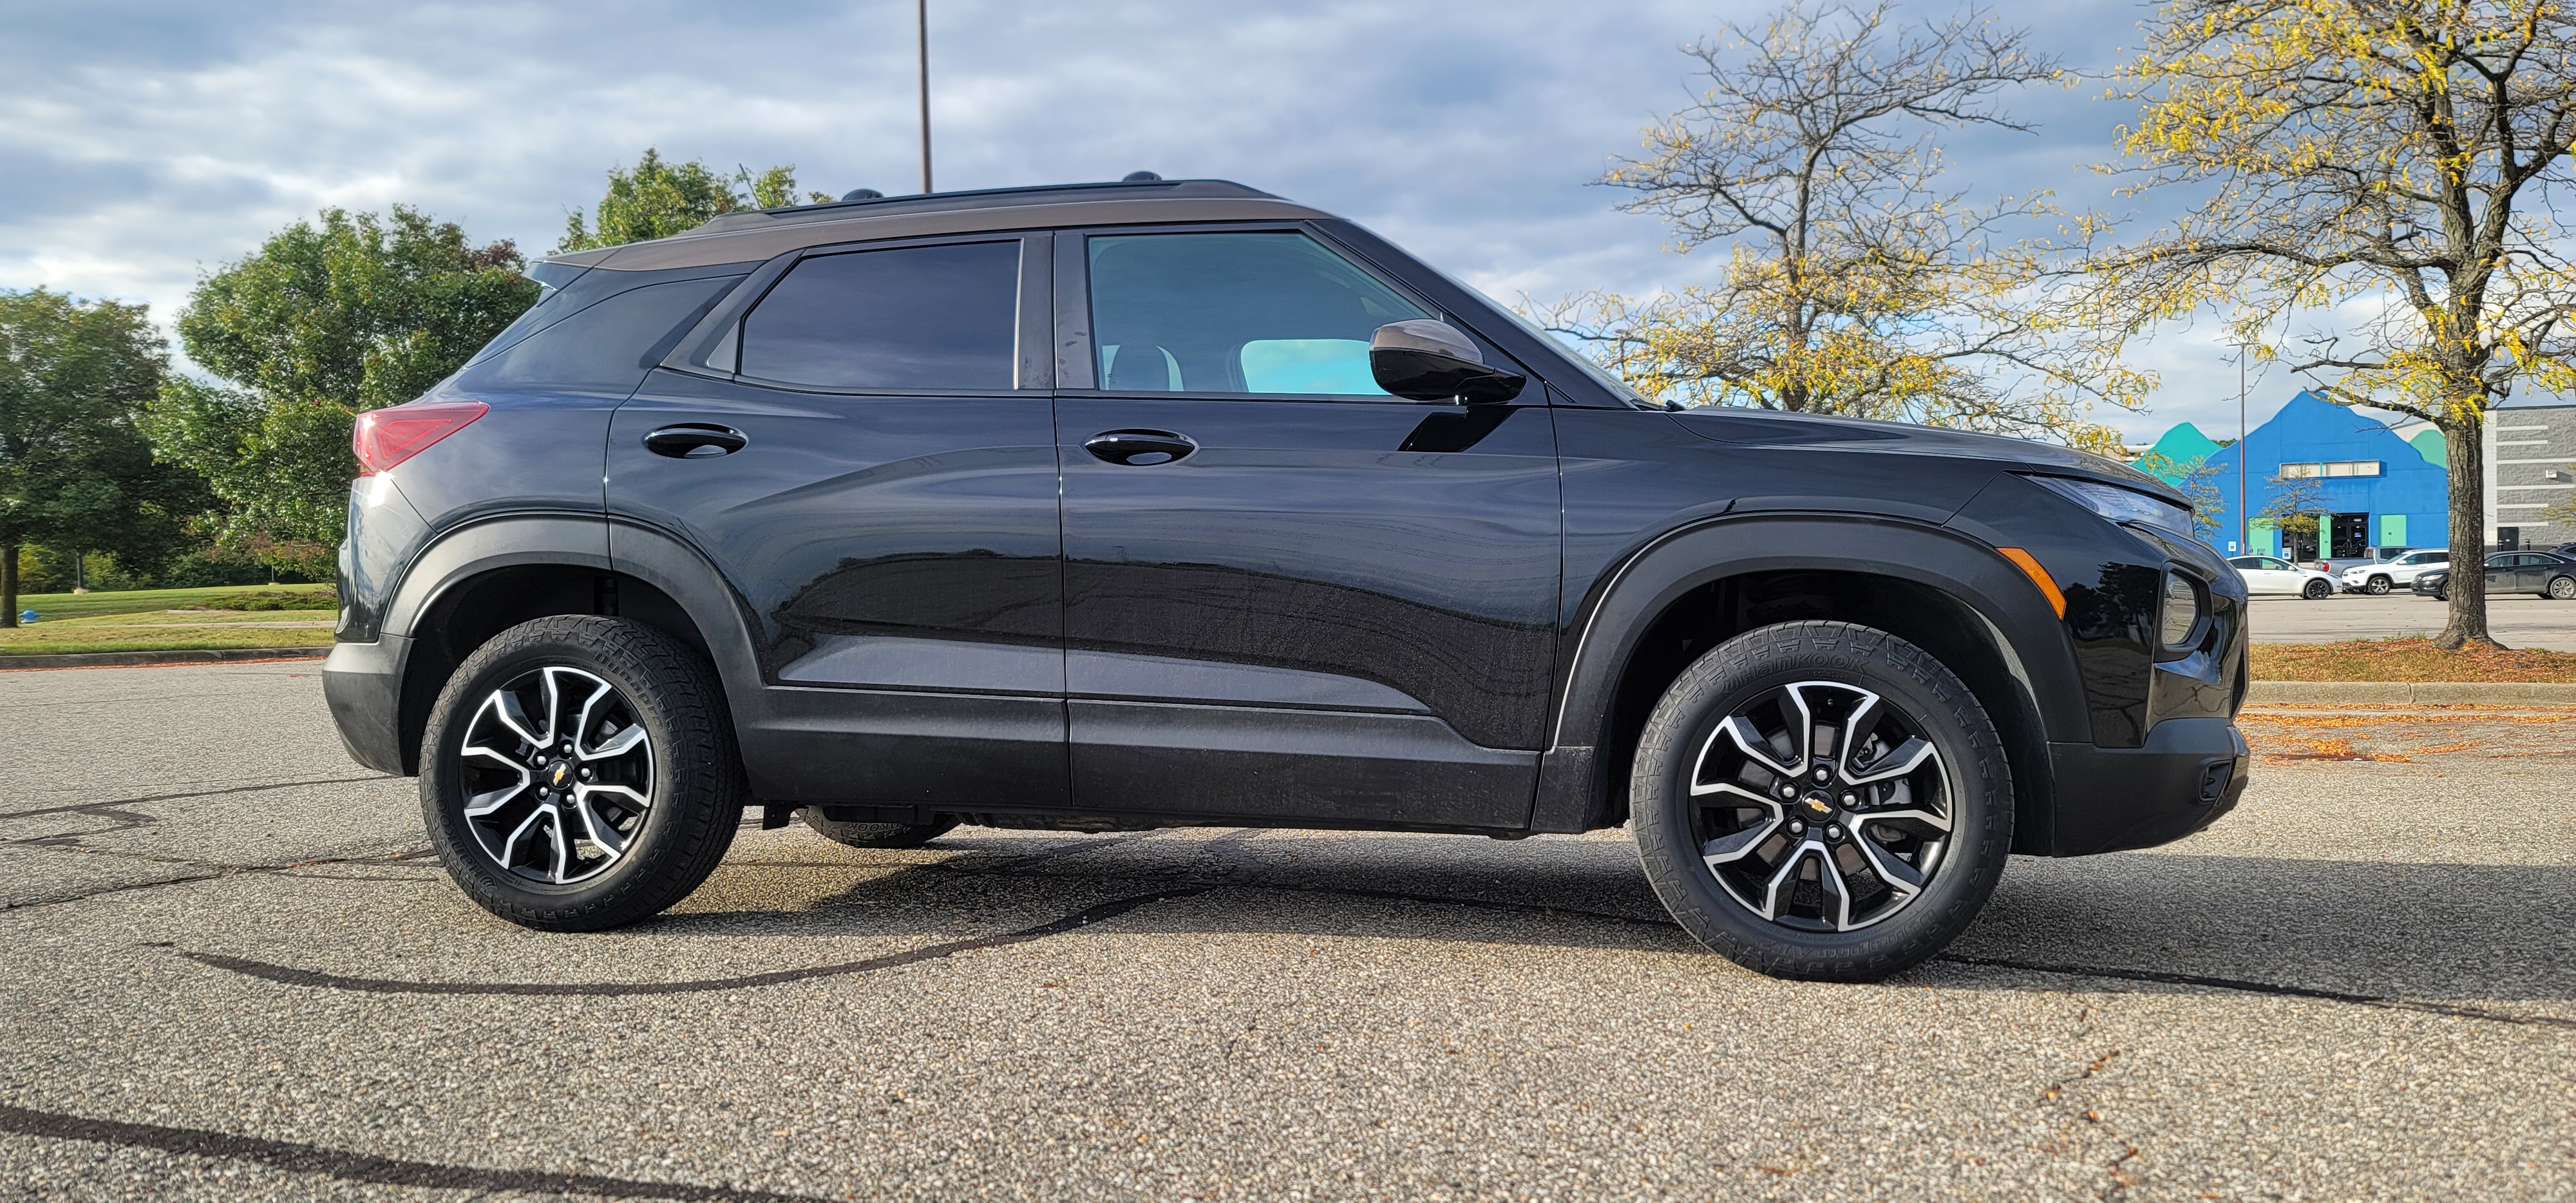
<point x="1173" y="503"/>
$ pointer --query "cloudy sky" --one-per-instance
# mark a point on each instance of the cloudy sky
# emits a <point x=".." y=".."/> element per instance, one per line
<point x="142" y="142"/>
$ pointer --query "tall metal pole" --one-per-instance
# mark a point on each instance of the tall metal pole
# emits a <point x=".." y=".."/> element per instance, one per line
<point x="2244" y="521"/>
<point x="921" y="26"/>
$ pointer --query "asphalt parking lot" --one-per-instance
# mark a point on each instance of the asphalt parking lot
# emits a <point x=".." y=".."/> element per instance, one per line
<point x="2518" y="621"/>
<point x="233" y="974"/>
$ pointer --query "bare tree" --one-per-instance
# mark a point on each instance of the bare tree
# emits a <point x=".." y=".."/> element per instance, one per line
<point x="1857" y="283"/>
<point x="2393" y="161"/>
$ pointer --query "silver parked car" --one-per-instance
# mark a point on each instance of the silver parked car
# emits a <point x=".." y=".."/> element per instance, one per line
<point x="2276" y="576"/>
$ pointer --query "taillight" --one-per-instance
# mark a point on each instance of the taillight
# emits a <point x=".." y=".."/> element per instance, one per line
<point x="386" y="437"/>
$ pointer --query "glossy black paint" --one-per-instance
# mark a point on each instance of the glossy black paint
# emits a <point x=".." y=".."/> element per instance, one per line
<point x="1356" y="611"/>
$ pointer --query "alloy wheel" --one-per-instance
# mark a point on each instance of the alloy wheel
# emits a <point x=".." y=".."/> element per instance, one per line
<point x="2562" y="589"/>
<point x="1821" y="807"/>
<point x="558" y="773"/>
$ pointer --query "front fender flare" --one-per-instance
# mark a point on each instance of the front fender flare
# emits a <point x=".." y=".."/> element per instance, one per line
<point x="1616" y="614"/>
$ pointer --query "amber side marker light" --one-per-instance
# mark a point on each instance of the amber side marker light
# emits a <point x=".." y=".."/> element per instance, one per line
<point x="2038" y="576"/>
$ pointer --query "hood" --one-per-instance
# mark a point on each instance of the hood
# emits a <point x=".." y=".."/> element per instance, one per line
<point x="1746" y="425"/>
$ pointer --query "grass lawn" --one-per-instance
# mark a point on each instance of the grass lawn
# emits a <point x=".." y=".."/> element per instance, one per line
<point x="141" y="620"/>
<point x="52" y="606"/>
<point x="2407" y="660"/>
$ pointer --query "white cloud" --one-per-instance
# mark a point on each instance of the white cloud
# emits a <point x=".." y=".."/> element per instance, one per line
<point x="142" y="142"/>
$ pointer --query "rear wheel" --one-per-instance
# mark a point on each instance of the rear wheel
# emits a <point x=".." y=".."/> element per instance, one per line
<point x="579" y="773"/>
<point x="874" y="835"/>
<point x="1822" y="800"/>
<point x="2316" y="590"/>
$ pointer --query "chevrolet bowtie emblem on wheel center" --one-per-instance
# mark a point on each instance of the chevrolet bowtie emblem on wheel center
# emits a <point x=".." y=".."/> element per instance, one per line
<point x="1817" y="806"/>
<point x="561" y="776"/>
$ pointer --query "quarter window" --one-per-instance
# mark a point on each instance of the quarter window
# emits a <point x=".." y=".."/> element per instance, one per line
<point x="1260" y="314"/>
<point x="924" y="317"/>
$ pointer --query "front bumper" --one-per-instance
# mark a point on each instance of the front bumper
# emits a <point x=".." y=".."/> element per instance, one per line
<point x="2428" y="588"/>
<point x="2191" y="772"/>
<point x="362" y="682"/>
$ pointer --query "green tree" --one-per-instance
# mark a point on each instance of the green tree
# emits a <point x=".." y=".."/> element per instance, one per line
<point x="2295" y="508"/>
<point x="322" y="322"/>
<point x="76" y="473"/>
<point x="658" y="199"/>
<point x="1858" y="281"/>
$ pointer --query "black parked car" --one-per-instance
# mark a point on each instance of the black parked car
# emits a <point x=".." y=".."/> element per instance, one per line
<point x="2545" y="573"/>
<point x="1176" y="503"/>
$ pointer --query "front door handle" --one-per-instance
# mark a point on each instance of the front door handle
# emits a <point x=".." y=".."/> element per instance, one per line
<point x="695" y="440"/>
<point x="1139" y="448"/>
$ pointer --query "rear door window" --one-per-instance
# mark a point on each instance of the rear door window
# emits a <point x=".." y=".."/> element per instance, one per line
<point x="1257" y="314"/>
<point x="909" y="319"/>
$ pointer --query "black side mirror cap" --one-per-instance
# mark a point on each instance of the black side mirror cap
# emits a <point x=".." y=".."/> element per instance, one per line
<point x="1428" y="360"/>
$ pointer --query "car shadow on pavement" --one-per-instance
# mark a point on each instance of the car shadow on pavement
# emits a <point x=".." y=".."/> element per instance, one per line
<point x="2461" y="931"/>
<point x="2361" y="932"/>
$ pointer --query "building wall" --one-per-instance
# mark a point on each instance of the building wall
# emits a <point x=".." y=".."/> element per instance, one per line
<point x="2406" y="503"/>
<point x="2531" y="462"/>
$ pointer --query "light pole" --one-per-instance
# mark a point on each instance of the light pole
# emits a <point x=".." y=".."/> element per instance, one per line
<point x="2244" y="523"/>
<point x="921" y="28"/>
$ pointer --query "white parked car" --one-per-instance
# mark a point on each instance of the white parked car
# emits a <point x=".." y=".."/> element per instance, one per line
<point x="2274" y="575"/>
<point x="2398" y="573"/>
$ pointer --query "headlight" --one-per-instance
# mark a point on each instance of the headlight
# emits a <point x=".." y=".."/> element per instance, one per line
<point x="2120" y="505"/>
<point x="2182" y="610"/>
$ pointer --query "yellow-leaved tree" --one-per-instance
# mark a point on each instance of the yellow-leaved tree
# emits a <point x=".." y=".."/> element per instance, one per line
<point x="2392" y="162"/>
<point x="1857" y="282"/>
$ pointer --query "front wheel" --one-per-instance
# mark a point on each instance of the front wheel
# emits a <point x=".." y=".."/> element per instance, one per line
<point x="1822" y="800"/>
<point x="2562" y="588"/>
<point x="2317" y="591"/>
<point x="2378" y="585"/>
<point x="579" y="773"/>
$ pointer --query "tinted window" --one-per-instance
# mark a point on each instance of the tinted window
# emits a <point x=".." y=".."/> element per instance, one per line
<point x="924" y="317"/>
<point x="2246" y="562"/>
<point x="605" y="348"/>
<point x="1235" y="313"/>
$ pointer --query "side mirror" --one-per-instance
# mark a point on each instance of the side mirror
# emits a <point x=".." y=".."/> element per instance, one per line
<point x="1426" y="360"/>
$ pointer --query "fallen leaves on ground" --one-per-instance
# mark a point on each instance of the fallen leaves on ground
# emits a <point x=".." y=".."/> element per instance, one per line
<point x="2409" y="660"/>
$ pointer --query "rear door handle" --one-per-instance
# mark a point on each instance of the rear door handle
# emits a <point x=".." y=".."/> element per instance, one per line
<point x="1139" y="448"/>
<point x="695" y="440"/>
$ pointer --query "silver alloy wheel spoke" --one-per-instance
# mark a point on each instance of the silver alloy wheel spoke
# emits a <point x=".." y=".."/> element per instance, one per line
<point x="558" y="770"/>
<point x="1866" y="789"/>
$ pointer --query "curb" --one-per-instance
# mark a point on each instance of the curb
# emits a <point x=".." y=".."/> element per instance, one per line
<point x="2492" y="693"/>
<point x="224" y="655"/>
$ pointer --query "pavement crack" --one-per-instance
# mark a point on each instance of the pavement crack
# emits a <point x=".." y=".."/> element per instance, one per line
<point x="285" y="975"/>
<point x="217" y="870"/>
<point x="2389" y="1002"/>
<point x="349" y="1166"/>
<point x="87" y="807"/>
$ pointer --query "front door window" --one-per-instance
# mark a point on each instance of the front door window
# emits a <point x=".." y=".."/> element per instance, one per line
<point x="1249" y="314"/>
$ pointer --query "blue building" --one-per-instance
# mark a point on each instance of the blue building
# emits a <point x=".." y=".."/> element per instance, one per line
<point x="2378" y="489"/>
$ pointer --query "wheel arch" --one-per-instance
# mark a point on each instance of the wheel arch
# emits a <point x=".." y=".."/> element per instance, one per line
<point x="1679" y="595"/>
<point x="479" y="580"/>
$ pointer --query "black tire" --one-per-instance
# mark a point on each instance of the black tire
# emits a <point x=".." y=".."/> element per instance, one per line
<point x="688" y="766"/>
<point x="2316" y="591"/>
<point x="2561" y="589"/>
<point x="2441" y="596"/>
<point x="2377" y="586"/>
<point x="874" y="835"/>
<point x="1823" y="660"/>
